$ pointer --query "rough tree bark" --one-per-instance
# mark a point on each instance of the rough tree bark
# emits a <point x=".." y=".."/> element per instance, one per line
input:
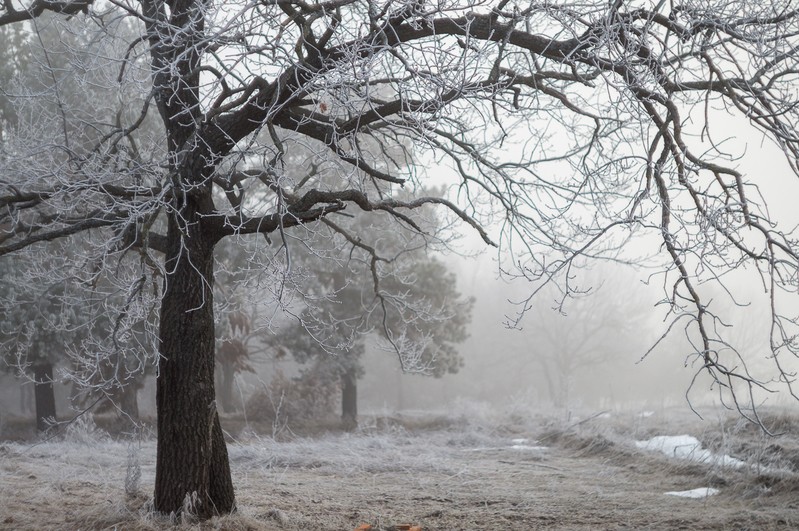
<point x="45" y="395"/>
<point x="192" y="471"/>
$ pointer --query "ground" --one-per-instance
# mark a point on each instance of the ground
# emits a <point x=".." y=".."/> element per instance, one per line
<point x="473" y="471"/>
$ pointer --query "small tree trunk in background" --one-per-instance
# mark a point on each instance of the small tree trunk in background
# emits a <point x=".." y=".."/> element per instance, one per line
<point x="26" y="398"/>
<point x="226" y="392"/>
<point x="349" y="400"/>
<point x="129" y="401"/>
<point x="45" y="395"/>
<point x="552" y="387"/>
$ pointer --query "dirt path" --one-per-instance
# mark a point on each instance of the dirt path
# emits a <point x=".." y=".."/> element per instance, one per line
<point x="441" y="480"/>
<point x="512" y="489"/>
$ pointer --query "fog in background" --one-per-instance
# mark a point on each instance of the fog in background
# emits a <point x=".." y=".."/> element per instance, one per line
<point x="601" y="348"/>
<point x="590" y="351"/>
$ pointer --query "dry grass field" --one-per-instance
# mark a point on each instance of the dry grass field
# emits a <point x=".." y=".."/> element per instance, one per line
<point x="479" y="471"/>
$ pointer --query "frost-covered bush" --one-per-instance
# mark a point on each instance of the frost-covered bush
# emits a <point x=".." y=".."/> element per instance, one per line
<point x="290" y="399"/>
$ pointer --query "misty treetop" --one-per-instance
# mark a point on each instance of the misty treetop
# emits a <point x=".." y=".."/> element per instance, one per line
<point x="143" y="132"/>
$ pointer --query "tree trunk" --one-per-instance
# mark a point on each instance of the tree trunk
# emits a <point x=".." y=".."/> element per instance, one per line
<point x="551" y="387"/>
<point x="45" y="395"/>
<point x="192" y="468"/>
<point x="349" y="400"/>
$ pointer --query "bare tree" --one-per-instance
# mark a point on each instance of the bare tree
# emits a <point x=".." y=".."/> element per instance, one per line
<point x="592" y="335"/>
<point x="571" y="124"/>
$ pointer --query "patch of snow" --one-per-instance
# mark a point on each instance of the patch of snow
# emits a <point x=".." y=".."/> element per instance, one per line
<point x="687" y="447"/>
<point x="520" y="441"/>
<point x="646" y="414"/>
<point x="528" y="447"/>
<point x="695" y="493"/>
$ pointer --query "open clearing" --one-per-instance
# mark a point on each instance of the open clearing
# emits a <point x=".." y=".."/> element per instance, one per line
<point x="475" y="472"/>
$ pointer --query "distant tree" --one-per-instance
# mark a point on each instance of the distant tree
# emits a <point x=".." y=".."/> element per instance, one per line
<point x="595" y="332"/>
<point x="233" y="355"/>
<point x="103" y="353"/>
<point x="568" y="124"/>
<point x="120" y="347"/>
<point x="417" y="296"/>
<point x="62" y="324"/>
<point x="244" y="308"/>
<point x="36" y="326"/>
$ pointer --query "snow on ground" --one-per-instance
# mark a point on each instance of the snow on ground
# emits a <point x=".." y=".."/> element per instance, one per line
<point x="523" y="444"/>
<point x="689" y="448"/>
<point x="703" y="492"/>
<point x="516" y="444"/>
